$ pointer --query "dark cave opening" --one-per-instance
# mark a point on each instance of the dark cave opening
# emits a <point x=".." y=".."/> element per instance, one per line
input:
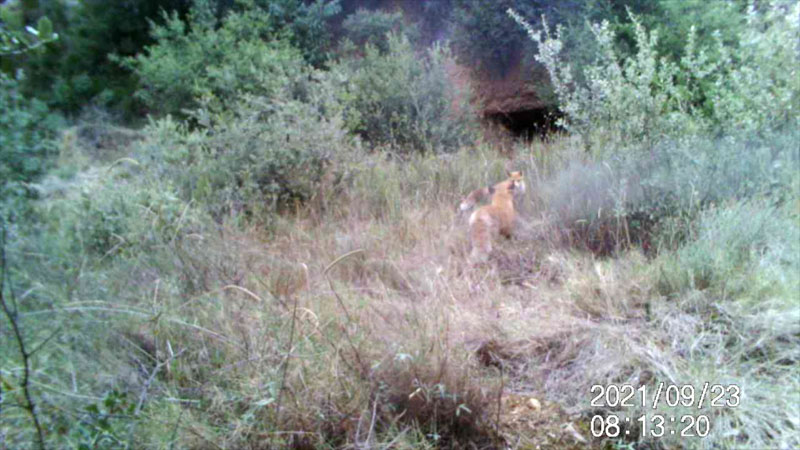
<point x="528" y="123"/>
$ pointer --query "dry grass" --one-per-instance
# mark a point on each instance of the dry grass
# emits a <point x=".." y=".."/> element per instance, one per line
<point x="390" y="348"/>
<point x="402" y="332"/>
<point x="403" y="344"/>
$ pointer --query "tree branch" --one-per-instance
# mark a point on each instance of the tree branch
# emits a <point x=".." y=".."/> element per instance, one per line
<point x="13" y="319"/>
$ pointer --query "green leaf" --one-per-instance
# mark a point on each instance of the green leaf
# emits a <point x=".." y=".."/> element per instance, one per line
<point x="45" y="28"/>
<point x="104" y="424"/>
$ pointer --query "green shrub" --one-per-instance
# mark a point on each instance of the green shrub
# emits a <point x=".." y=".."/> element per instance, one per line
<point x="722" y="88"/>
<point x="263" y="154"/>
<point x="758" y="90"/>
<point x="483" y="36"/>
<point x="76" y="69"/>
<point x="15" y="41"/>
<point x="305" y="22"/>
<point x="96" y="35"/>
<point x="673" y="21"/>
<point x="195" y="60"/>
<point x="27" y="132"/>
<point x="675" y="137"/>
<point x="373" y="27"/>
<point x="705" y="18"/>
<point x="401" y="100"/>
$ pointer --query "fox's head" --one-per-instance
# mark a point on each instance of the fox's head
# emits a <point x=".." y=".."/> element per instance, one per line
<point x="516" y="183"/>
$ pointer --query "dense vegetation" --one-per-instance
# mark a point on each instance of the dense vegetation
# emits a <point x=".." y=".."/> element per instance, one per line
<point x="232" y="223"/>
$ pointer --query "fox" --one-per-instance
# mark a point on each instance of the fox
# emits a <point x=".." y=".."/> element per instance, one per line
<point x="495" y="218"/>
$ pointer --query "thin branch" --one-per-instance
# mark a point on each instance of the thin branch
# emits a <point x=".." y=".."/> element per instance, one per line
<point x="8" y="51"/>
<point x="45" y="341"/>
<point x="146" y="387"/>
<point x="13" y="318"/>
<point x="372" y="421"/>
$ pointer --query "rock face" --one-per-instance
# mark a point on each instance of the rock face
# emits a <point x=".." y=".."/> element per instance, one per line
<point x="514" y="102"/>
<point x="511" y="101"/>
<point x="512" y="93"/>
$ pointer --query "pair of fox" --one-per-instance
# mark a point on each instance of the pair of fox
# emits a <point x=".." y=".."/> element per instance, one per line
<point x="496" y="218"/>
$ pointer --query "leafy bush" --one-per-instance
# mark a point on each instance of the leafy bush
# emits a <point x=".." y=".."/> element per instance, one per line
<point x="401" y="100"/>
<point x="194" y="60"/>
<point x="675" y="137"/>
<point x="306" y="23"/>
<point x="96" y="35"/>
<point x="676" y="20"/>
<point x="76" y="69"/>
<point x="672" y="20"/>
<point x="642" y="97"/>
<point x="758" y="89"/>
<point x="27" y="129"/>
<point x="14" y="41"/>
<point x="484" y="38"/>
<point x="373" y="27"/>
<point x="263" y="154"/>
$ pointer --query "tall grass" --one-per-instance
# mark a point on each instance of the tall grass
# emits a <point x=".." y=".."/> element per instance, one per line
<point x="198" y="334"/>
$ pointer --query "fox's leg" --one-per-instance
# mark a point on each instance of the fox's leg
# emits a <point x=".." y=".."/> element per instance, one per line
<point x="480" y="230"/>
<point x="480" y="252"/>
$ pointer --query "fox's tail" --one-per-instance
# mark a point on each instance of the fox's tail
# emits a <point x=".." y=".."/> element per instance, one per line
<point x="473" y="198"/>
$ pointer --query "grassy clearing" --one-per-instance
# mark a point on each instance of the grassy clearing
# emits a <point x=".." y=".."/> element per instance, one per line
<point x="174" y="330"/>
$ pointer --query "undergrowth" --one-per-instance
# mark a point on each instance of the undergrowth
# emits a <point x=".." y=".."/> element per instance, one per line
<point x="175" y="328"/>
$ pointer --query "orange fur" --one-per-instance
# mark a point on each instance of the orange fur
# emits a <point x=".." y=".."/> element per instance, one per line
<point x="474" y="197"/>
<point x="494" y="218"/>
